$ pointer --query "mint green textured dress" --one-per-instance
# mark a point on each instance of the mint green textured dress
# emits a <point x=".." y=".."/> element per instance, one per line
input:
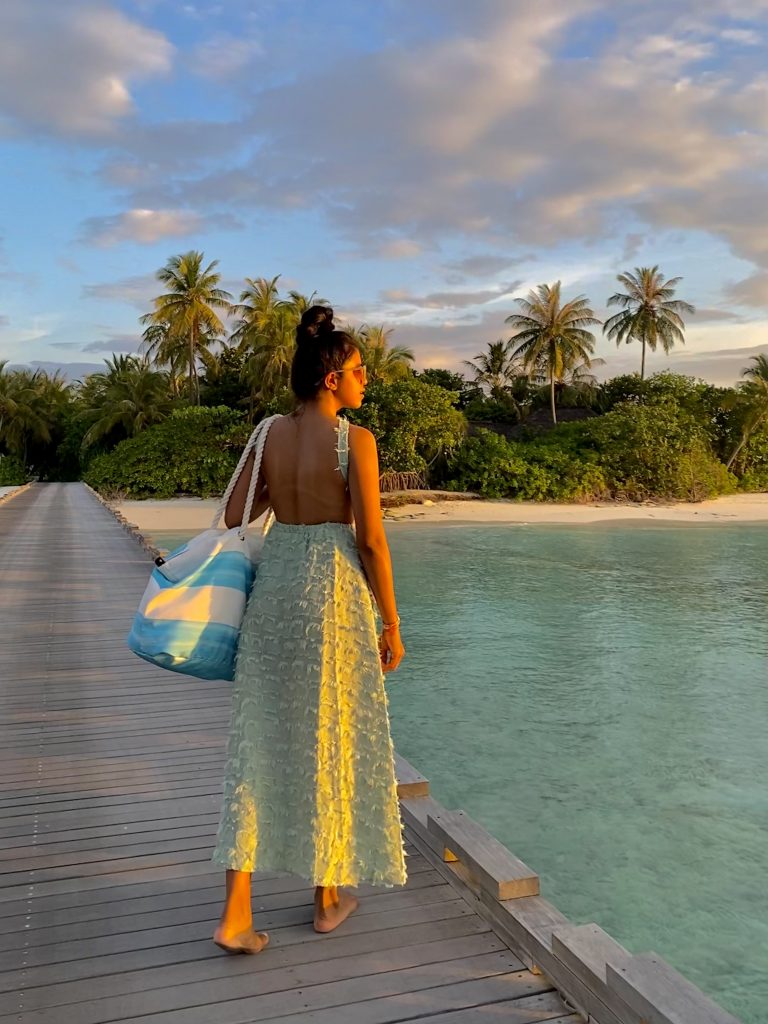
<point x="309" y="784"/>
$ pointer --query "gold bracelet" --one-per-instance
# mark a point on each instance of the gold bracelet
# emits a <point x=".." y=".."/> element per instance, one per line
<point x="391" y="625"/>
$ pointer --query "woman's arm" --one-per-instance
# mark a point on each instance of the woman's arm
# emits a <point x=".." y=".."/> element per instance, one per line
<point x="369" y="528"/>
<point x="233" y="513"/>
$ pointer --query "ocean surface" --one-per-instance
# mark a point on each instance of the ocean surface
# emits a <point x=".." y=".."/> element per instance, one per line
<point x="597" y="697"/>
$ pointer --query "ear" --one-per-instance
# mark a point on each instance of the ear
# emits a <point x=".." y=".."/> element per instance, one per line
<point x="331" y="381"/>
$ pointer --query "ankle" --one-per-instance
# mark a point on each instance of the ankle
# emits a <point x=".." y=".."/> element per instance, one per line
<point x="326" y="896"/>
<point x="234" y="924"/>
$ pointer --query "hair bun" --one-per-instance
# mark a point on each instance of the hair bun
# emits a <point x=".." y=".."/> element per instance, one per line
<point x="316" y="322"/>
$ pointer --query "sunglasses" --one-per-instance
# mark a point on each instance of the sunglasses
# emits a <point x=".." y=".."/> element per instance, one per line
<point x="360" y="372"/>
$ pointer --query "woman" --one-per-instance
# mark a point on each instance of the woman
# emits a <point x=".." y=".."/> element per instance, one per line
<point x="309" y="785"/>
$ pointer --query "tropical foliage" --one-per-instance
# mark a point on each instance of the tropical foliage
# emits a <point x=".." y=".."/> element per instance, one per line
<point x="184" y="322"/>
<point x="173" y="418"/>
<point x="416" y="425"/>
<point x="194" y="451"/>
<point x="551" y="337"/>
<point x="649" y="314"/>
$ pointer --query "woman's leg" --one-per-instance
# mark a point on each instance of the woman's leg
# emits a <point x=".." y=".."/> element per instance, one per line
<point x="236" y="917"/>
<point x="332" y="907"/>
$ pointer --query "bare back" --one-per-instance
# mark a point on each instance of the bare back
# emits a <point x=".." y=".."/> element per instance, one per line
<point x="300" y="467"/>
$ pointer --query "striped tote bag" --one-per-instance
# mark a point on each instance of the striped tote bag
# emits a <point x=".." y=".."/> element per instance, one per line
<point x="189" y="617"/>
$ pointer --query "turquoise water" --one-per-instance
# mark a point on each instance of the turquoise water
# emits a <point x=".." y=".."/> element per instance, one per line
<point x="596" y="697"/>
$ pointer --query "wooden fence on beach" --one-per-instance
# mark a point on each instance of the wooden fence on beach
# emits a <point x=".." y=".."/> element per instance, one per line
<point x="111" y="786"/>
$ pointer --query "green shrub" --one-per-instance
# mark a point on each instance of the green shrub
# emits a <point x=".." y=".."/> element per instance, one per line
<point x="656" y="450"/>
<point x="496" y="468"/>
<point x="415" y="424"/>
<point x="488" y="464"/>
<point x="193" y="451"/>
<point x="12" y="471"/>
<point x="754" y="459"/>
<point x="560" y="475"/>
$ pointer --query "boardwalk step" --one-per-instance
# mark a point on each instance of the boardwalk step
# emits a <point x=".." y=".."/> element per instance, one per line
<point x="497" y="870"/>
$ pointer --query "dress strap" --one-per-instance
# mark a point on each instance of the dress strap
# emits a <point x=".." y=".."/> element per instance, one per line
<point x="342" y="446"/>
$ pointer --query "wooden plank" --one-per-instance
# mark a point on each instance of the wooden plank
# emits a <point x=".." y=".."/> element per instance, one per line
<point x="294" y="949"/>
<point x="661" y="995"/>
<point x="415" y="813"/>
<point x="155" y="983"/>
<point x="63" y="926"/>
<point x="410" y="782"/>
<point x="526" y="925"/>
<point x="386" y="997"/>
<point x="497" y="870"/>
<point x="277" y="990"/>
<point x="38" y="959"/>
<point x="111" y="904"/>
<point x="507" y="1011"/>
<point x="586" y="950"/>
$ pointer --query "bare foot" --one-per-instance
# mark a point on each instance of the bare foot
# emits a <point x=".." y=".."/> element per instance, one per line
<point x="247" y="941"/>
<point x="329" y="917"/>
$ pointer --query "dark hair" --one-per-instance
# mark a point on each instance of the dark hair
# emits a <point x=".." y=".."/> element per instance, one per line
<point x="320" y="348"/>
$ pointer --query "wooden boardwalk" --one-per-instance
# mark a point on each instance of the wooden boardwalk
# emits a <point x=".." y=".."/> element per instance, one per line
<point x="111" y="785"/>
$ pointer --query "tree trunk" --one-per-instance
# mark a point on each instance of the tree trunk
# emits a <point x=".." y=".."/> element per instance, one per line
<point x="642" y="363"/>
<point x="748" y="432"/>
<point x="552" y="398"/>
<point x="192" y="363"/>
<point x="737" y="449"/>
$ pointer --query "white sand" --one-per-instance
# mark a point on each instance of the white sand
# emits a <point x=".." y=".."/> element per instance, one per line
<point x="195" y="514"/>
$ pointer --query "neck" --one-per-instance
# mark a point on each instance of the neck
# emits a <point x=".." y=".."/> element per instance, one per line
<point x="324" y="406"/>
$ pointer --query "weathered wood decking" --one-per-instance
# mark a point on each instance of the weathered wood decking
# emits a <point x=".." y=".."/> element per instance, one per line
<point x="111" y="781"/>
<point x="110" y="795"/>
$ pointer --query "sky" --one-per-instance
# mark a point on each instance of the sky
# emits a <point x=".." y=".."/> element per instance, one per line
<point x="417" y="163"/>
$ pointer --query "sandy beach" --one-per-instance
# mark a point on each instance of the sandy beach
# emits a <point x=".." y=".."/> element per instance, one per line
<point x="195" y="514"/>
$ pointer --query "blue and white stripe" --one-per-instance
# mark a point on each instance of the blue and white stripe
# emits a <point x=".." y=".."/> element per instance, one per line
<point x="189" y="616"/>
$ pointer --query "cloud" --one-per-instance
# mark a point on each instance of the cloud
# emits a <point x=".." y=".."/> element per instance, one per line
<point x="70" y="371"/>
<point x="633" y="242"/>
<point x="66" y="68"/>
<point x="137" y="290"/>
<point x="482" y="266"/>
<point x="114" y="343"/>
<point x="224" y="55"/>
<point x="450" y="300"/>
<point x="752" y="291"/>
<point x="742" y="36"/>
<point x="445" y="138"/>
<point x="148" y="226"/>
<point x="723" y="367"/>
<point x="5" y="321"/>
<point x="709" y="315"/>
<point x="400" y="249"/>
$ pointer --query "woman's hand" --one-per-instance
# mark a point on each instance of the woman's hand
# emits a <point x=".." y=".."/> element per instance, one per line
<point x="391" y="650"/>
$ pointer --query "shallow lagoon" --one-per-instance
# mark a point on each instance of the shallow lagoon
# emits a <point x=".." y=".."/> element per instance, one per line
<point x="597" y="697"/>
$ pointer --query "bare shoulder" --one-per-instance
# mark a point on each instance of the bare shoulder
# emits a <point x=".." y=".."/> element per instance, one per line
<point x="361" y="439"/>
<point x="361" y="434"/>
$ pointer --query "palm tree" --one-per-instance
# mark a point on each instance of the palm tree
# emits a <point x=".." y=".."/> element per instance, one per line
<point x="579" y="381"/>
<point x="188" y="308"/>
<point x="8" y="403"/>
<point x="30" y="404"/>
<point x="552" y="337"/>
<point x="754" y="391"/>
<point x="122" y="400"/>
<point x="649" y="313"/>
<point x="255" y="311"/>
<point x="163" y="350"/>
<point x="383" y="361"/>
<point x="495" y="369"/>
<point x="265" y="333"/>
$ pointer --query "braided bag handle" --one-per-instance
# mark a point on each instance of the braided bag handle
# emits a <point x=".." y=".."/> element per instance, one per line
<point x="256" y="441"/>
